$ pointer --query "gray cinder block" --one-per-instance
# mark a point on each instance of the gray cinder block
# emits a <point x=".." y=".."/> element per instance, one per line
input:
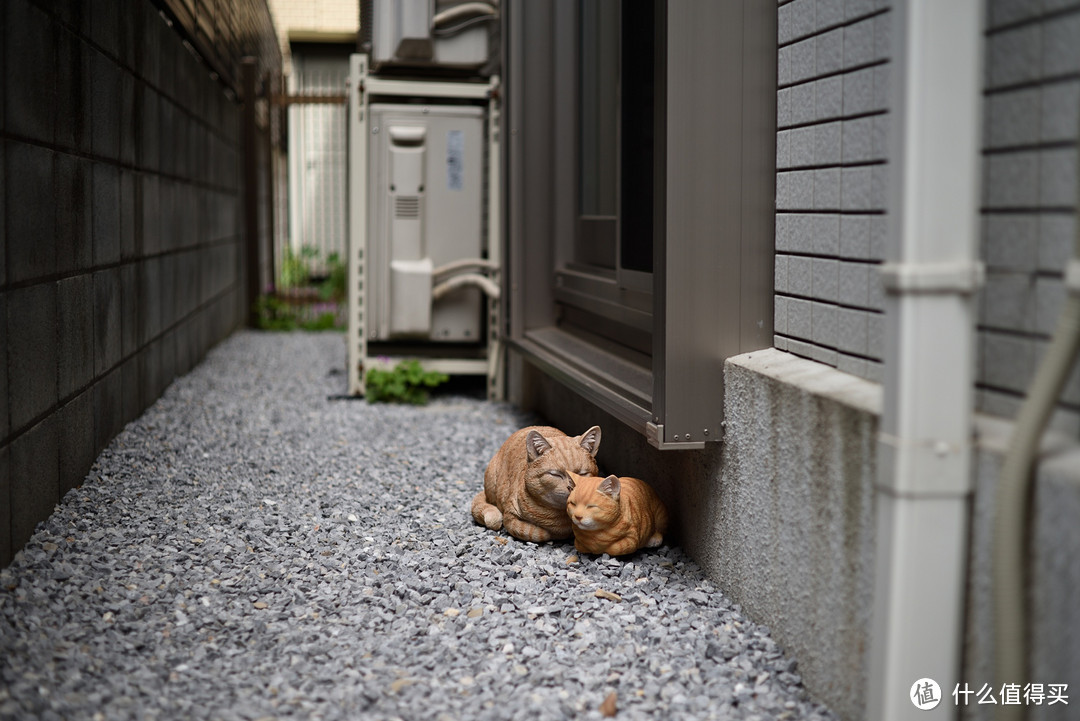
<point x="75" y="333"/>
<point x="830" y="51"/>
<point x="858" y="43"/>
<point x="853" y="284"/>
<point x="106" y="106"/>
<point x="106" y="222"/>
<point x="855" y="236"/>
<point x="35" y="478"/>
<point x="826" y="276"/>
<point x="1060" y="111"/>
<point x="824" y="324"/>
<point x="31" y="219"/>
<point x="800" y="276"/>
<point x="799" y="318"/>
<point x="76" y="451"/>
<point x="32" y="361"/>
<point x="827" y="189"/>
<point x="73" y="211"/>
<point x="1014" y="56"/>
<point x="108" y="341"/>
<point x="851" y="330"/>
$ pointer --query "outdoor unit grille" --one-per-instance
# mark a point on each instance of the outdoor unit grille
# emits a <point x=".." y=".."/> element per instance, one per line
<point x="407" y="207"/>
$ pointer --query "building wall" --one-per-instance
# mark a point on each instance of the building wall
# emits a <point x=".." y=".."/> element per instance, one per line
<point x="1031" y="119"/>
<point x="313" y="18"/>
<point x="120" y="252"/>
<point x="832" y="119"/>
<point x="781" y="514"/>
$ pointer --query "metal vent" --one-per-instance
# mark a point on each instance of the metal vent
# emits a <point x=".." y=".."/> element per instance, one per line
<point x="407" y="206"/>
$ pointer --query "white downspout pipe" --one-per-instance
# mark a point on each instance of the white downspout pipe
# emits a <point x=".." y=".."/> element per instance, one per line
<point x="931" y="275"/>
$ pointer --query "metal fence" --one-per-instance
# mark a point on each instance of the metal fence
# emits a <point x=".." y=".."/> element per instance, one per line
<point x="316" y="169"/>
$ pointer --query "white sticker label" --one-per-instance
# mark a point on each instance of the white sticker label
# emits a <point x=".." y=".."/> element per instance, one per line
<point x="455" y="159"/>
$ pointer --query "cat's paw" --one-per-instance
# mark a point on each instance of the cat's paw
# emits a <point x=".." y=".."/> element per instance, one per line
<point x="493" y="518"/>
<point x="655" y="540"/>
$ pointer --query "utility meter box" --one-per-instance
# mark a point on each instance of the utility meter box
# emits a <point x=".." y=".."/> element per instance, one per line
<point x="425" y="195"/>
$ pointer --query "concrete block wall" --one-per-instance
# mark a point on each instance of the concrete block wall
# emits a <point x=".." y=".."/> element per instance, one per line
<point x="1031" y="117"/>
<point x="832" y="119"/>
<point x="119" y="243"/>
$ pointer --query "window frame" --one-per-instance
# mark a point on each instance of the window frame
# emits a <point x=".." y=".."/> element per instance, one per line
<point x="714" y="212"/>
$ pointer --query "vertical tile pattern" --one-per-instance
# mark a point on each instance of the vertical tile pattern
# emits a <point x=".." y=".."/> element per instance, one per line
<point x="831" y="143"/>
<point x="1031" y="116"/>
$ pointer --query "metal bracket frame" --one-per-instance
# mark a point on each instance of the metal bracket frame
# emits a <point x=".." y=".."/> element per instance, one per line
<point x="362" y="87"/>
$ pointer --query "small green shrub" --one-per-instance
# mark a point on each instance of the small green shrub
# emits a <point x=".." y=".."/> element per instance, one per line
<point x="333" y="288"/>
<point x="407" y="382"/>
<point x="272" y="314"/>
<point x="296" y="266"/>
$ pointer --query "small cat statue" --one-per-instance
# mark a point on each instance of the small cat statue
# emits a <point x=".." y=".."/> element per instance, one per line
<point x="525" y="482"/>
<point x="614" y="515"/>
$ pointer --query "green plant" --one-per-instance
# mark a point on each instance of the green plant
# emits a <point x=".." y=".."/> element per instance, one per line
<point x="333" y="288"/>
<point x="296" y="266"/>
<point x="272" y="314"/>
<point x="407" y="382"/>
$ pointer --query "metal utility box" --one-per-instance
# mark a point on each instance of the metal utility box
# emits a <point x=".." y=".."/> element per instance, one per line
<point x="419" y="35"/>
<point x="424" y="245"/>
<point x="425" y="192"/>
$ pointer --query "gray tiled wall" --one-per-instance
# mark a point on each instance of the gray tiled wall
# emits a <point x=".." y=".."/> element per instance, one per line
<point x="1031" y="119"/>
<point x="832" y="118"/>
<point x="119" y="243"/>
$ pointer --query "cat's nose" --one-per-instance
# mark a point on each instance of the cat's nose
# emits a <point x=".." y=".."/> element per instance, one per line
<point x="577" y="517"/>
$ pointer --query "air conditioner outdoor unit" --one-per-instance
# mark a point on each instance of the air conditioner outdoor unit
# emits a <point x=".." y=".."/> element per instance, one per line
<point x="425" y="189"/>
<point x="427" y="33"/>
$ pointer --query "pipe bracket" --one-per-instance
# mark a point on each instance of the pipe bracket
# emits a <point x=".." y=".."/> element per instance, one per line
<point x="1072" y="277"/>
<point x="959" y="277"/>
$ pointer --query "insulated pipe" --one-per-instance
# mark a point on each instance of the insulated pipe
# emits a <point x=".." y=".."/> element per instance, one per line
<point x="460" y="281"/>
<point x="456" y="265"/>
<point x="1014" y="489"/>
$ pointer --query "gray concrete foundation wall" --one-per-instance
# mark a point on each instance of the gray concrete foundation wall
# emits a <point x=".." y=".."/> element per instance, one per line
<point x="120" y="249"/>
<point x="1053" y="570"/>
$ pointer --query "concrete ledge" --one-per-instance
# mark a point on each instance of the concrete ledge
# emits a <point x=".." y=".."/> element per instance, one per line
<point x="793" y="522"/>
<point x="813" y="378"/>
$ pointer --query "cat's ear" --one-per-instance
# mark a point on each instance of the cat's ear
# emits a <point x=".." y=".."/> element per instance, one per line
<point x="536" y="445"/>
<point x="570" y="485"/>
<point x="590" y="440"/>
<point x="610" y="486"/>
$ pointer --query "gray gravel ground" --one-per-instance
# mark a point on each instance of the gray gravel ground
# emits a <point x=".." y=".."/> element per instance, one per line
<point x="251" y="548"/>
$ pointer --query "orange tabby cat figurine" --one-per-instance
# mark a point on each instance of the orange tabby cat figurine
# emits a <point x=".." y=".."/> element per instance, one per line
<point x="614" y="515"/>
<point x="525" y="482"/>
